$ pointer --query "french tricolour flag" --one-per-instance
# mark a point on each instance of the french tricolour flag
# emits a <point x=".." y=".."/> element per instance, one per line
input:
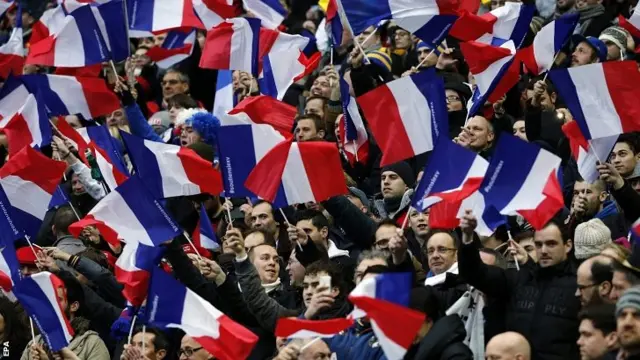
<point x="130" y="213"/>
<point x="78" y="43"/>
<point x="5" y="5"/>
<point x="632" y="25"/>
<point x="452" y="174"/>
<point x="28" y="181"/>
<point x="158" y="15"/>
<point x="225" y="98"/>
<point x="280" y="69"/>
<point x="383" y="299"/>
<point x="540" y="55"/>
<point x="133" y="269"/>
<point x="213" y="12"/>
<point x="28" y="127"/>
<point x="274" y="41"/>
<point x="588" y="152"/>
<point x="429" y="20"/>
<point x="51" y="21"/>
<point x="334" y="23"/>
<point x="613" y="85"/>
<point x="9" y="268"/>
<point x="204" y="236"/>
<point x="69" y="95"/>
<point x="508" y="22"/>
<point x="270" y="12"/>
<point x="12" y="96"/>
<point x="232" y="45"/>
<point x="295" y="328"/>
<point x="177" y="46"/>
<point x="39" y="294"/>
<point x="406" y="115"/>
<point x="250" y="130"/>
<point x="493" y="70"/>
<point x="295" y="166"/>
<point x="523" y="178"/>
<point x="171" y="170"/>
<point x="12" y="52"/>
<point x="172" y="305"/>
<point x="353" y="132"/>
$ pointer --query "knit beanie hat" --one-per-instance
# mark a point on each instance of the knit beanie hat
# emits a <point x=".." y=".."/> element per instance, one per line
<point x="590" y="238"/>
<point x="629" y="299"/>
<point x="404" y="170"/>
<point x="615" y="35"/>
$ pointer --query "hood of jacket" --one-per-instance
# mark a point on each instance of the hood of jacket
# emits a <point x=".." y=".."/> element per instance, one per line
<point x="609" y="208"/>
<point x="445" y="332"/>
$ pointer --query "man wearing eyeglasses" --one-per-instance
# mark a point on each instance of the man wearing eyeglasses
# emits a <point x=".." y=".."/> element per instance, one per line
<point x="174" y="82"/>
<point x="594" y="277"/>
<point x="441" y="252"/>
<point x="192" y="350"/>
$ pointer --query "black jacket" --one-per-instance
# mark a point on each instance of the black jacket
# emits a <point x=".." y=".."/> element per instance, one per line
<point x="445" y="341"/>
<point x="536" y="301"/>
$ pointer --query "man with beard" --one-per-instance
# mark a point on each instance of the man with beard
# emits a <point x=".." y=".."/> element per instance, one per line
<point x="594" y="279"/>
<point x="628" y="322"/>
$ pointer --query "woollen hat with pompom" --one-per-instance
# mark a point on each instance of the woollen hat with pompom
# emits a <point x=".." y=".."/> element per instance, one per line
<point x="205" y="124"/>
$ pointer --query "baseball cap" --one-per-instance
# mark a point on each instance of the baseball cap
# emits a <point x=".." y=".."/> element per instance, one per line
<point x="596" y="44"/>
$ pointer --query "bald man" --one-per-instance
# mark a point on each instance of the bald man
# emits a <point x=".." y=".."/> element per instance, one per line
<point x="508" y="346"/>
<point x="594" y="279"/>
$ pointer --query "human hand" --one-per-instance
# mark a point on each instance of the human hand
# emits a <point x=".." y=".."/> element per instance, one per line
<point x="398" y="246"/>
<point x="332" y="75"/>
<point x="212" y="271"/>
<point x="610" y="175"/>
<point x="463" y="139"/>
<point x="355" y="58"/>
<point x="235" y="242"/>
<point x="539" y="88"/>
<point x="92" y="234"/>
<point x="468" y="225"/>
<point x="131" y="352"/>
<point x="36" y="352"/>
<point x="446" y="59"/>
<point x="579" y="205"/>
<point x="517" y="252"/>
<point x="57" y="254"/>
<point x="289" y="352"/>
<point x="59" y="145"/>
<point x="67" y="354"/>
<point x="45" y="261"/>
<point x="297" y="235"/>
<point x="321" y="299"/>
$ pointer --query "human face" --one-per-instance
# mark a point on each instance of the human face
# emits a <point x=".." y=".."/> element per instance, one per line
<point x="592" y="194"/>
<point x="117" y="118"/>
<point x="530" y="248"/>
<point x="549" y="246"/>
<point x="383" y="236"/>
<point x="172" y="84"/>
<point x="148" y="42"/>
<point x="392" y="185"/>
<point x="564" y="5"/>
<point x="402" y="39"/>
<point x="189" y="346"/>
<point x="76" y="185"/>
<point x="149" y="347"/>
<point x="427" y="58"/>
<point x="583" y="55"/>
<point x="364" y="265"/>
<point x="613" y="51"/>
<point x="262" y="218"/>
<point x="316" y="107"/>
<point x="173" y="113"/>
<point x="318" y="236"/>
<point x="592" y="342"/>
<point x="587" y="289"/>
<point x="306" y="130"/>
<point x="497" y="4"/>
<point x="629" y="329"/>
<point x="619" y="284"/>
<point x="441" y="252"/>
<point x="481" y="136"/>
<point x="623" y="159"/>
<point x="321" y="87"/>
<point x="295" y="270"/>
<point x="319" y="350"/>
<point x="73" y="121"/>
<point x="140" y="58"/>
<point x="61" y="294"/>
<point x="519" y="130"/>
<point x="309" y="285"/>
<point x="454" y="102"/>
<point x="189" y="136"/>
<point x="371" y="42"/>
<point x="419" y="222"/>
<point x="580" y="4"/>
<point x="267" y="262"/>
<point x="252" y="240"/>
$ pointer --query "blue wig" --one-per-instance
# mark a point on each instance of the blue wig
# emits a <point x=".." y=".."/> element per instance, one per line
<point x="206" y="125"/>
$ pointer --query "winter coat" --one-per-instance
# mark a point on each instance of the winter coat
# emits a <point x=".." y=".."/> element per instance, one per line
<point x="87" y="346"/>
<point x="536" y="300"/>
<point x="357" y="342"/>
<point x="445" y="341"/>
<point x="611" y="216"/>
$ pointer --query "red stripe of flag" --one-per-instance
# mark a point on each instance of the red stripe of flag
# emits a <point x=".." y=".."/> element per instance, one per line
<point x="480" y="56"/>
<point x="327" y="180"/>
<point x="42" y="52"/>
<point x="100" y="98"/>
<point x="264" y="179"/>
<point x="622" y="79"/>
<point x="200" y="171"/>
<point x="30" y="165"/>
<point x="107" y="233"/>
<point x="217" y="48"/>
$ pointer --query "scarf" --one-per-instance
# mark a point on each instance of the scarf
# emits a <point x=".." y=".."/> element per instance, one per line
<point x="333" y="251"/>
<point x="270" y="287"/>
<point x="393" y="204"/>
<point x="469" y="308"/>
<point x="440" y="278"/>
<point x="590" y="12"/>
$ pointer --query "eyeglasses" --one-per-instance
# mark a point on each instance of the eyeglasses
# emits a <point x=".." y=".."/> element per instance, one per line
<point x="188" y="352"/>
<point x="452" y="98"/>
<point x="585" y="287"/>
<point x="440" y="250"/>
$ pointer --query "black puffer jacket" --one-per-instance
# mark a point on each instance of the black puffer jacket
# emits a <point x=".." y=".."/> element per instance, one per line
<point x="540" y="302"/>
<point x="443" y="342"/>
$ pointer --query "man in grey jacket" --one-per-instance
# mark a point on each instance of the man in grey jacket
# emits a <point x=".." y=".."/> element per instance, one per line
<point x="63" y="218"/>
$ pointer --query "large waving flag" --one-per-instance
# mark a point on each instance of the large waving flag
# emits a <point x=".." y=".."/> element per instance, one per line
<point x="587" y="153"/>
<point x="204" y="237"/>
<point x="172" y="305"/>
<point x="247" y="134"/>
<point x="12" y="96"/>
<point x="334" y="23"/>
<point x="28" y="181"/>
<point x="40" y="295"/>
<point x="225" y="98"/>
<point x="429" y="20"/>
<point x="523" y="178"/>
<point x="130" y="213"/>
<point x="295" y="328"/>
<point x="159" y="15"/>
<point x="281" y="69"/>
<point x="232" y="45"/>
<point x="78" y="43"/>
<point x="540" y="55"/>
<point x="28" y="127"/>
<point x="601" y="97"/>
<point x="353" y="132"/>
<point x="452" y="174"/>
<point x="406" y="115"/>
<point x="270" y="12"/>
<point x="133" y="269"/>
<point x="274" y="41"/>
<point x="51" y="21"/>
<point x="9" y="267"/>
<point x="171" y="170"/>
<point x="177" y="46"/>
<point x="494" y="70"/>
<point x="383" y="299"/>
<point x="295" y="165"/>
<point x="12" y="52"/>
<point x="69" y="95"/>
<point x="213" y="12"/>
